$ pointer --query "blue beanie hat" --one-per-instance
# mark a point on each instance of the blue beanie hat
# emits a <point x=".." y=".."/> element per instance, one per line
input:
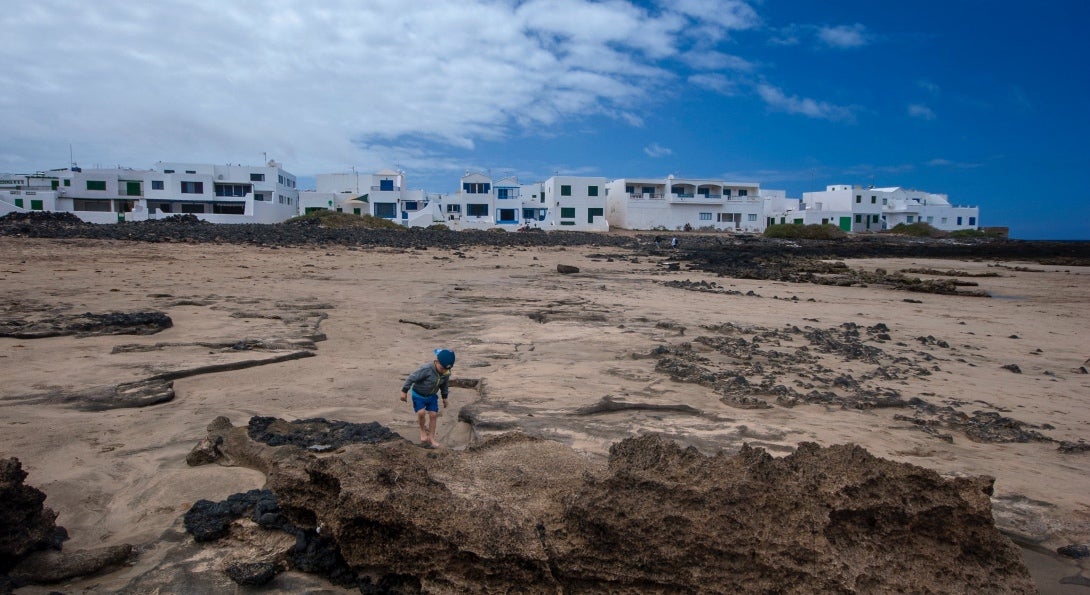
<point x="445" y="357"/>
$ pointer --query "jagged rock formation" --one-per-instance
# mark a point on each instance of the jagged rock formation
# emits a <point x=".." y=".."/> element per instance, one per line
<point x="25" y="524"/>
<point x="30" y="541"/>
<point x="524" y="514"/>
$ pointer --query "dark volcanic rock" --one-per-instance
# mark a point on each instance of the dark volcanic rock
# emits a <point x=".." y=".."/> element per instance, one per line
<point x="528" y="515"/>
<point x="25" y="524"/>
<point x="88" y="324"/>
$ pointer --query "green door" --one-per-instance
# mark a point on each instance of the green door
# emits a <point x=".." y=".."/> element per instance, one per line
<point x="132" y="188"/>
<point x="846" y="223"/>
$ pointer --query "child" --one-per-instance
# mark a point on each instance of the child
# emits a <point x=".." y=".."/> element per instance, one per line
<point x="426" y="383"/>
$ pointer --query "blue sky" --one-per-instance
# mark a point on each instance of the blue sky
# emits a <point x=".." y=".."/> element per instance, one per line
<point x="986" y="101"/>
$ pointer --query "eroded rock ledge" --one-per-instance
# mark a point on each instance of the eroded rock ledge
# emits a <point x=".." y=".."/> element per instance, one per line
<point x="524" y="514"/>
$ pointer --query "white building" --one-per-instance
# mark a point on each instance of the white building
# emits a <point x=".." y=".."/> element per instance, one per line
<point x="214" y="193"/>
<point x="572" y="203"/>
<point x="673" y="203"/>
<point x="340" y="192"/>
<point x="859" y="209"/>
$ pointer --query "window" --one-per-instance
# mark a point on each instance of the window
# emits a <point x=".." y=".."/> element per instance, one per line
<point x="959" y="220"/>
<point x="943" y="220"/>
<point x="594" y="212"/>
<point x="743" y="192"/>
<point x="193" y="188"/>
<point x="19" y="202"/>
<point x="873" y="198"/>
<point x="911" y="218"/>
<point x="36" y="205"/>
<point x="753" y="216"/>
<point x="705" y="216"/>
<point x="102" y="206"/>
<point x="930" y="219"/>
<point x="454" y="208"/>
<point x="726" y="192"/>
<point x="858" y="198"/>
<point x="163" y="206"/>
<point x="529" y="214"/>
<point x="630" y="189"/>
<point x="565" y="190"/>
<point x="192" y="208"/>
<point x="386" y="185"/>
<point x="386" y="210"/>
<point x="972" y="220"/>
<point x="592" y="191"/>
<point x="477" y="210"/>
<point x="476" y="187"/>
<point x="156" y="184"/>
<point x="96" y="184"/>
<point x="168" y="171"/>
<point x="567" y="213"/>
<point x="501" y="192"/>
<point x="506" y="215"/>
<point x="235" y="190"/>
<point x="257" y="177"/>
<point x="68" y="182"/>
<point x="885" y="200"/>
<point x="228" y="209"/>
<point x="874" y="218"/>
<point x="858" y="218"/>
<point x="190" y="171"/>
<point x="647" y="190"/>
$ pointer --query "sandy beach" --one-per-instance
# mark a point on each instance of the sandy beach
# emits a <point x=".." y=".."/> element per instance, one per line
<point x="535" y="348"/>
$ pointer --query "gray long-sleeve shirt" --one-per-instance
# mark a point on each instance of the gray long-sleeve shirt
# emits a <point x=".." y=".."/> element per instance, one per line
<point x="427" y="381"/>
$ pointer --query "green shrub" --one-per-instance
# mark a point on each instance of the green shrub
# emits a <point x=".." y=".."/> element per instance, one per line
<point x="917" y="230"/>
<point x="977" y="233"/>
<point x="438" y="227"/>
<point x="794" y="231"/>
<point x="334" y="220"/>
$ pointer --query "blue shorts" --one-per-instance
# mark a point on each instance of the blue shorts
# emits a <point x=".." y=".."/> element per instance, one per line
<point x="430" y="403"/>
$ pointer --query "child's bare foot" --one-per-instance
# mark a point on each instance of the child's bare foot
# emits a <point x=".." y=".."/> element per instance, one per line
<point x="434" y="443"/>
<point x="423" y="437"/>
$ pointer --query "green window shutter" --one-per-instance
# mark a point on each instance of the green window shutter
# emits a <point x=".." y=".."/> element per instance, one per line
<point x="36" y="205"/>
<point x="19" y="202"/>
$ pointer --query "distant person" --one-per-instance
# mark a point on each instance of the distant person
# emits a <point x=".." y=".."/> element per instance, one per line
<point x="673" y="242"/>
<point x="658" y="241"/>
<point x="426" y="384"/>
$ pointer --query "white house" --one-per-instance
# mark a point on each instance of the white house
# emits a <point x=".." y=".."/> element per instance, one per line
<point x="390" y="199"/>
<point x="575" y="203"/>
<point x="36" y="192"/>
<point x="857" y="209"/>
<point x="340" y="192"/>
<point x="673" y="203"/>
<point x="215" y="193"/>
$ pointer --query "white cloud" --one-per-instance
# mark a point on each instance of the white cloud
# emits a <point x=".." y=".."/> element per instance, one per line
<point x="921" y="111"/>
<point x="844" y="36"/>
<point x="655" y="150"/>
<point x="713" y="60"/>
<point x="939" y="162"/>
<point x="930" y="87"/>
<point x="715" y="82"/>
<point x="324" y="84"/>
<point x="727" y="14"/>
<point x="775" y="98"/>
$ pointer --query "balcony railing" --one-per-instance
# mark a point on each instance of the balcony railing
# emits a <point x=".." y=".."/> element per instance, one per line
<point x="381" y="189"/>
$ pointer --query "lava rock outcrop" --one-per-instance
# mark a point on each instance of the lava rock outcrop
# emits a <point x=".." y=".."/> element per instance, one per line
<point x="517" y="513"/>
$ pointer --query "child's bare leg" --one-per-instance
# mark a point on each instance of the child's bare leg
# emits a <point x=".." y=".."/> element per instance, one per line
<point x="420" y="416"/>
<point x="432" y="420"/>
